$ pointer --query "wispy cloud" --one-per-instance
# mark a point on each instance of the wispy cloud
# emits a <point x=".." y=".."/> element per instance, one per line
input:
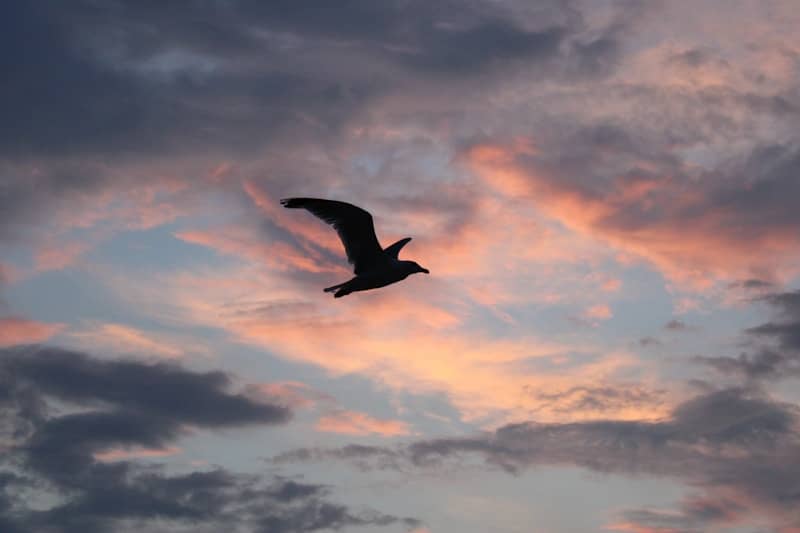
<point x="18" y="330"/>
<point x="733" y="444"/>
<point x="356" y="423"/>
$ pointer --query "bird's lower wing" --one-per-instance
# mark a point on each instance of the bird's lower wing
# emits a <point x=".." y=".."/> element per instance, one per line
<point x="353" y="224"/>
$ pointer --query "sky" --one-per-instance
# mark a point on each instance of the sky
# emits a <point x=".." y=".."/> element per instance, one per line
<point x="605" y="194"/>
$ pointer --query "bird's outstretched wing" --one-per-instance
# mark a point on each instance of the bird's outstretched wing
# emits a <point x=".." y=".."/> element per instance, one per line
<point x="394" y="250"/>
<point x="354" y="226"/>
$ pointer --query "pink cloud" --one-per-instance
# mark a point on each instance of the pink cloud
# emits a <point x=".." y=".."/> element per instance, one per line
<point x="682" y="232"/>
<point x="136" y="453"/>
<point x="357" y="423"/>
<point x="125" y="339"/>
<point x="388" y="337"/>
<point x="17" y="330"/>
<point x="598" y="312"/>
<point x="244" y="242"/>
<point x="333" y="418"/>
<point x="633" y="527"/>
<point x="312" y="232"/>
<point x="56" y="256"/>
<point x="463" y="239"/>
<point x="7" y="273"/>
<point x="292" y="394"/>
<point x="488" y="251"/>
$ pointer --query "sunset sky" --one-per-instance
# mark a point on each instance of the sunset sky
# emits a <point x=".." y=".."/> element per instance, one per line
<point x="604" y="191"/>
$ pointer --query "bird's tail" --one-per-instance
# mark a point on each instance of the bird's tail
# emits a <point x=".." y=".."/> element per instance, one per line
<point x="333" y="288"/>
<point x="342" y="289"/>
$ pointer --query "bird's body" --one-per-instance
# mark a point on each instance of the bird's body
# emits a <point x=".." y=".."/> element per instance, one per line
<point x="374" y="266"/>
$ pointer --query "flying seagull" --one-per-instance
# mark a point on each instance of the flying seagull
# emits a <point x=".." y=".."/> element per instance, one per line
<point x="374" y="266"/>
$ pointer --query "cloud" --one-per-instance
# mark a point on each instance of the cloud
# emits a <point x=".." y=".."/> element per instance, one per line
<point x="332" y="417"/>
<point x="578" y="133"/>
<point x="18" y="330"/>
<point x="127" y="340"/>
<point x="174" y="394"/>
<point x="676" y="325"/>
<point x="693" y="515"/>
<point x="6" y="274"/>
<point x="598" y="312"/>
<point x="277" y="255"/>
<point x="690" y="230"/>
<point x="56" y="257"/>
<point x="356" y="423"/>
<point x="599" y="399"/>
<point x="752" y="284"/>
<point x="293" y="394"/>
<point x="482" y="376"/>
<point x="779" y="358"/>
<point x="736" y="445"/>
<point x="122" y="454"/>
<point x="649" y="341"/>
<point x="761" y="364"/>
<point x="270" y="298"/>
<point x="108" y="88"/>
<point x="81" y="460"/>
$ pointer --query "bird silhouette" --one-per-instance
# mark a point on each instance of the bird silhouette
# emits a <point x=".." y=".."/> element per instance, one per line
<point x="374" y="266"/>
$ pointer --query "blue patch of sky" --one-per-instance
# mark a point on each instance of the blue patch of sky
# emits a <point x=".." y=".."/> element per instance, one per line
<point x="154" y="250"/>
<point x="64" y="296"/>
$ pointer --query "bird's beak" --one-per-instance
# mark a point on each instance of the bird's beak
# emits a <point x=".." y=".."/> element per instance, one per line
<point x="425" y="270"/>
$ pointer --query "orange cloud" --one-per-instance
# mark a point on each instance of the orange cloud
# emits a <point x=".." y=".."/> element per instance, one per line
<point x="357" y="423"/>
<point x="17" y="330"/>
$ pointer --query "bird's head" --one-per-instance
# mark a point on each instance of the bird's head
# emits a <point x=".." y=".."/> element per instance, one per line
<point x="413" y="268"/>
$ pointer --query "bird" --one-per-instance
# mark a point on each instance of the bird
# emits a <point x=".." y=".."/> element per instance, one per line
<point x="374" y="266"/>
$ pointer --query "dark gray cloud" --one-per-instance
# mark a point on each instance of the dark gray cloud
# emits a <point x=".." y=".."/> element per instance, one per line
<point x="676" y="325"/>
<point x="59" y="409"/>
<point x="649" y="341"/>
<point x="694" y="57"/>
<point x="787" y="333"/>
<point x="786" y="327"/>
<point x="725" y="441"/>
<point x="362" y="456"/>
<point x="763" y="364"/>
<point x="751" y="284"/>
<point x="780" y="358"/>
<point x="770" y="172"/>
<point x="133" y="77"/>
<point x="598" y="398"/>
<point x="787" y="303"/>
<point x="173" y="394"/>
<point x="92" y="85"/>
<point x="692" y="516"/>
